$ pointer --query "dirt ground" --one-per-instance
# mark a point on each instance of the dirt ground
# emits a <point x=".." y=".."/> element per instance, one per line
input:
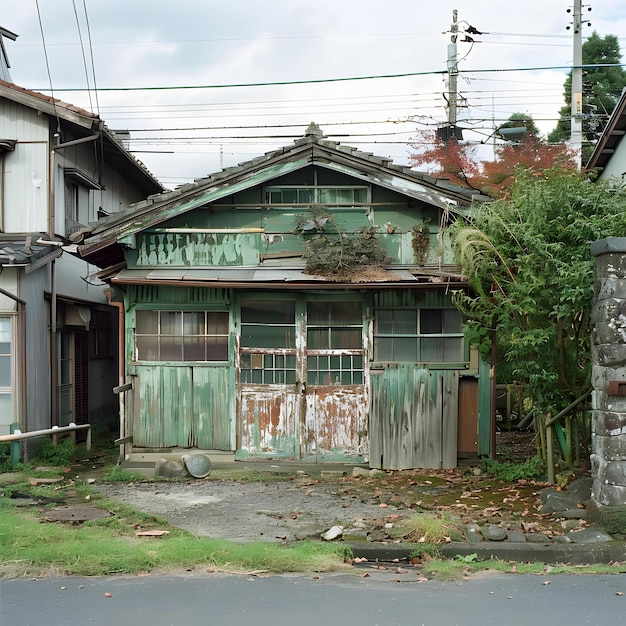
<point x="283" y="506"/>
<point x="270" y="510"/>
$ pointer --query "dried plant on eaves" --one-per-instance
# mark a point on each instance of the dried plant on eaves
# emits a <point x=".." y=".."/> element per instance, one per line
<point x="335" y="254"/>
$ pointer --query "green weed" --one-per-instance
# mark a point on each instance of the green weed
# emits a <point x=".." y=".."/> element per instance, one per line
<point x="511" y="472"/>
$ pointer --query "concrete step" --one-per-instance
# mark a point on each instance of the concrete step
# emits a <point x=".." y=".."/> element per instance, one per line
<point x="143" y="462"/>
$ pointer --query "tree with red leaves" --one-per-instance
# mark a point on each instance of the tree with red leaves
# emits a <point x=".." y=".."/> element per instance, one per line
<point x="458" y="162"/>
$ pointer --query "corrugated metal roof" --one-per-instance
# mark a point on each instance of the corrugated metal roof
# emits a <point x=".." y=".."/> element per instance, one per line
<point x="309" y="150"/>
<point x="273" y="277"/>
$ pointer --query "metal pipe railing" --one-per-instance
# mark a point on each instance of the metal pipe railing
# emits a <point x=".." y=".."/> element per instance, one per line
<point x="16" y="436"/>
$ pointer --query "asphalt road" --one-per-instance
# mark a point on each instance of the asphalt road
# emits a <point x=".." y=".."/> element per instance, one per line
<point x="306" y="601"/>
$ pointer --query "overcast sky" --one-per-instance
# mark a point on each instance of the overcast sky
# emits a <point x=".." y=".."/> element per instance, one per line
<point x="229" y="63"/>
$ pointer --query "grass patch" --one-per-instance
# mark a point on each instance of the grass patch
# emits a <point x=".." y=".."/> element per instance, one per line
<point x="116" y="474"/>
<point x="111" y="547"/>
<point x="427" y="528"/>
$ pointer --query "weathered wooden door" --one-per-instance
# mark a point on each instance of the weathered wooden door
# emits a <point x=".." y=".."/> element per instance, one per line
<point x="335" y="426"/>
<point x="414" y="417"/>
<point x="302" y="371"/>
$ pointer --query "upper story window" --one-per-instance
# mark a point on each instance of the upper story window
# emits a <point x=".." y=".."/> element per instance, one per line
<point x="78" y="200"/>
<point x="292" y="194"/>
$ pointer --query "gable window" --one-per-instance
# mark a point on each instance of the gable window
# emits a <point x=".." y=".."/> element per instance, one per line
<point x="427" y="335"/>
<point x="290" y="194"/>
<point x="181" y="335"/>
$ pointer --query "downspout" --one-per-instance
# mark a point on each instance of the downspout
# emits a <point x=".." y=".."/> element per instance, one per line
<point x="121" y="364"/>
<point x="53" y="345"/>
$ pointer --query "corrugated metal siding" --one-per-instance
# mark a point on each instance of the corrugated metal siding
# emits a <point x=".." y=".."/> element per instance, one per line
<point x="183" y="407"/>
<point x="413" y="421"/>
<point x="26" y="189"/>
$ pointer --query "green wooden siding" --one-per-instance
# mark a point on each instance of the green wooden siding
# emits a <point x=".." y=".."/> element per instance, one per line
<point x="414" y="416"/>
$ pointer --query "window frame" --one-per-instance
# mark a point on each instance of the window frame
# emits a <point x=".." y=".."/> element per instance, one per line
<point x="419" y="336"/>
<point x="161" y="347"/>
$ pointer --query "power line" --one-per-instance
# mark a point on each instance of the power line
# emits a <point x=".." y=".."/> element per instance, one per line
<point x="343" y="79"/>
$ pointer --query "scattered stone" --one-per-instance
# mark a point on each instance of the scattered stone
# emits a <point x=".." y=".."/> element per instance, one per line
<point x="355" y="534"/>
<point x="374" y="473"/>
<point x="538" y="538"/>
<point x="165" y="468"/>
<point x="556" y="502"/>
<point x="570" y="524"/>
<point x="360" y="471"/>
<point x="473" y="533"/>
<point x="494" y="533"/>
<point x="589" y="535"/>
<point x="579" y="490"/>
<point x="516" y="536"/>
<point x="334" y="532"/>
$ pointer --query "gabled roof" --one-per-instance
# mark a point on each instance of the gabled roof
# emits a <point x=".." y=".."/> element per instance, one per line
<point x="312" y="149"/>
<point x="28" y="250"/>
<point x="85" y="124"/>
<point x="611" y="136"/>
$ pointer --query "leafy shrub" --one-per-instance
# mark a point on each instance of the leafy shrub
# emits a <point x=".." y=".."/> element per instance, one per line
<point x="5" y="457"/>
<point x="60" y="455"/>
<point x="511" y="472"/>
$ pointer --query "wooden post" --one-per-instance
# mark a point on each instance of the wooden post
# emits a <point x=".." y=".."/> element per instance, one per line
<point x="549" y="454"/>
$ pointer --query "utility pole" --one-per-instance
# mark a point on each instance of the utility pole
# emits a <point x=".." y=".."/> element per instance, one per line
<point x="453" y="70"/>
<point x="577" y="84"/>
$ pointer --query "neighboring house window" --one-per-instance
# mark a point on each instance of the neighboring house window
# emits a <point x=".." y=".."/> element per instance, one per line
<point x="77" y="200"/>
<point x="6" y="368"/>
<point x="429" y="335"/>
<point x="288" y="194"/>
<point x="181" y="335"/>
<point x="268" y="341"/>
<point x="334" y="341"/>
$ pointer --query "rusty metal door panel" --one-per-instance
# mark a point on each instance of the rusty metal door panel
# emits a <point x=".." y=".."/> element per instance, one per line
<point x="164" y="418"/>
<point x="336" y="424"/>
<point x="270" y="423"/>
<point x="213" y="408"/>
<point x="413" y="423"/>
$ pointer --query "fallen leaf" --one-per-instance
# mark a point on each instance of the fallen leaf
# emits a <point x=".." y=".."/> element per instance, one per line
<point x="546" y="582"/>
<point x="108" y="595"/>
<point x="152" y="533"/>
<point x="619" y="593"/>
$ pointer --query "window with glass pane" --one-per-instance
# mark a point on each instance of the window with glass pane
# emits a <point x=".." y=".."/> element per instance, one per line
<point x="181" y="335"/>
<point x="334" y="325"/>
<point x="317" y="195"/>
<point x="425" y="336"/>
<point x="6" y="340"/>
<point x="268" y="323"/>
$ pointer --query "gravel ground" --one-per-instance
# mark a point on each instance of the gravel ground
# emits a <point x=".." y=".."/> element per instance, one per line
<point x="255" y="511"/>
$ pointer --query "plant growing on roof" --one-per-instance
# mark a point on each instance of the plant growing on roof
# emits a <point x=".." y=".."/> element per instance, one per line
<point x="331" y="252"/>
<point x="420" y="241"/>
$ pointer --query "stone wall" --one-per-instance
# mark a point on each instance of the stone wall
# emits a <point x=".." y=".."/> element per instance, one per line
<point x="608" y="345"/>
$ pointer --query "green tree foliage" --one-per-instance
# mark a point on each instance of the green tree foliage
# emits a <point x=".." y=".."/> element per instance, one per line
<point x="602" y="86"/>
<point x="531" y="277"/>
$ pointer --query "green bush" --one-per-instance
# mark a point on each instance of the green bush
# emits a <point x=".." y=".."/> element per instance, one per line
<point x="511" y="472"/>
<point x="5" y="457"/>
<point x="60" y="455"/>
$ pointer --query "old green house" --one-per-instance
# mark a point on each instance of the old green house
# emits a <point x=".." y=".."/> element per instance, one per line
<point x="297" y="306"/>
